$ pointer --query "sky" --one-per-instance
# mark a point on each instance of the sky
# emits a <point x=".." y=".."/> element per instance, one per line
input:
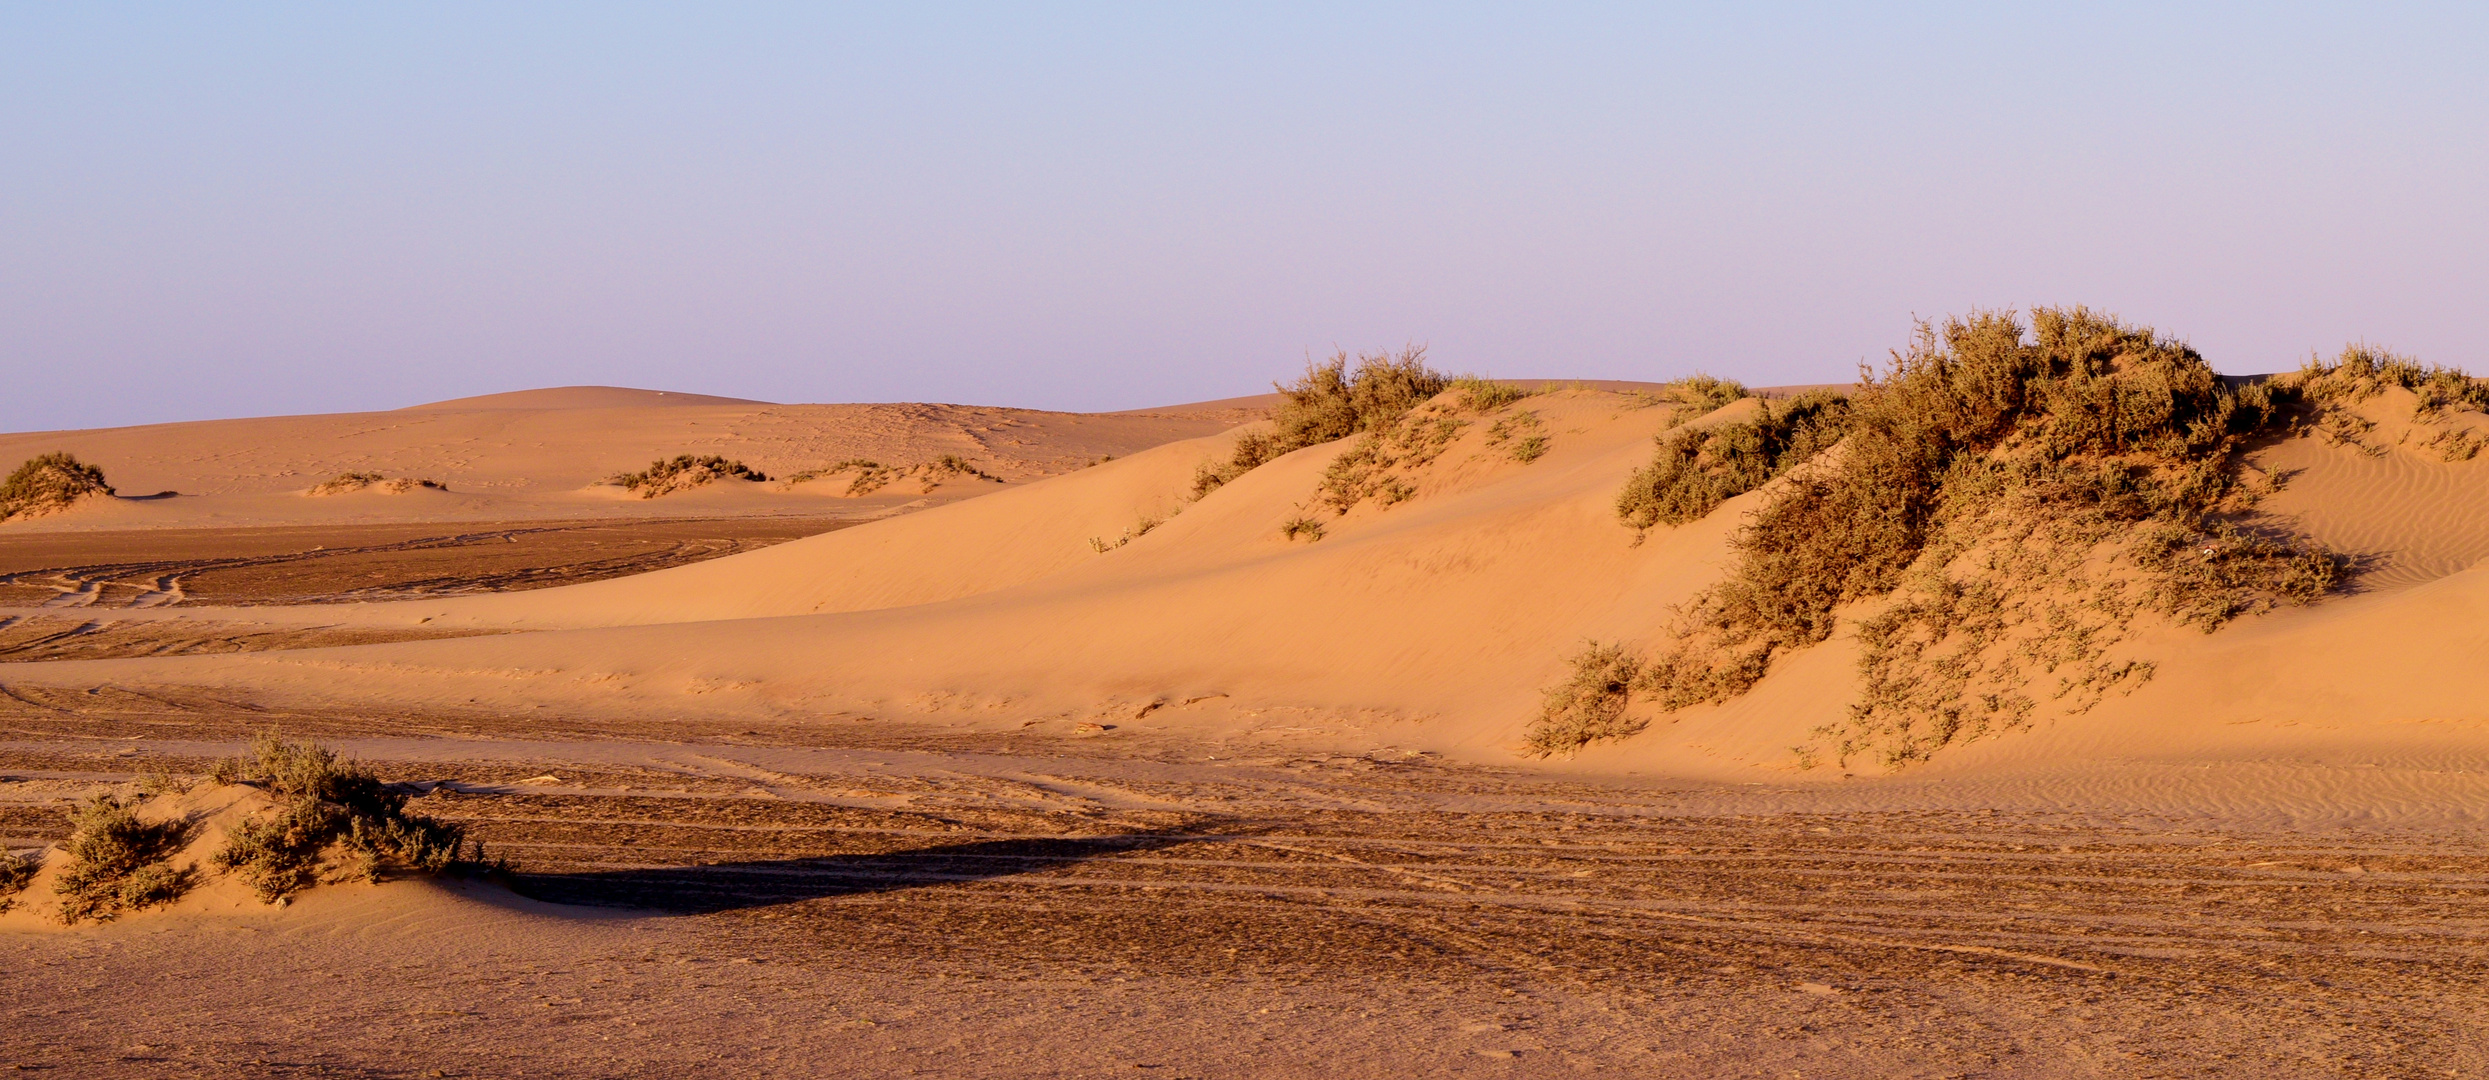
<point x="238" y="210"/>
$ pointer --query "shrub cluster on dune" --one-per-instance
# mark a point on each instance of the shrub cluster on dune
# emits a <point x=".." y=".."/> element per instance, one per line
<point x="1993" y="513"/>
<point x="869" y="476"/>
<point x="49" y="484"/>
<point x="315" y="818"/>
<point x="683" y="472"/>
<point x="348" y="482"/>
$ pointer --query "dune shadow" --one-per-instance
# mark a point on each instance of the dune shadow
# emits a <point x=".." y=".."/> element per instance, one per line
<point x="710" y="888"/>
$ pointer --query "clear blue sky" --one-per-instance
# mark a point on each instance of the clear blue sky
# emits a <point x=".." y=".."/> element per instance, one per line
<point x="223" y="210"/>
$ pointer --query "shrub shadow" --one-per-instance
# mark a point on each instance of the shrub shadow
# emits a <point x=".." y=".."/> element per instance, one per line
<point x="712" y="888"/>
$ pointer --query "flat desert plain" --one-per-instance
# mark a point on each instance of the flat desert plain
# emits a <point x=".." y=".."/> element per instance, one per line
<point x="990" y="742"/>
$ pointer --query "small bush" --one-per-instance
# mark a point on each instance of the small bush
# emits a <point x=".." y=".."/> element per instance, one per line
<point x="345" y="482"/>
<point x="16" y="872"/>
<point x="1701" y="395"/>
<point x="1589" y="706"/>
<point x="683" y="472"/>
<point x="1330" y="402"/>
<point x="1301" y="527"/>
<point x="1486" y="395"/>
<point x="2362" y="372"/>
<point x="1697" y="469"/>
<point x="117" y="863"/>
<point x="325" y="803"/>
<point x="1522" y="435"/>
<point x="1139" y="529"/>
<point x="48" y="484"/>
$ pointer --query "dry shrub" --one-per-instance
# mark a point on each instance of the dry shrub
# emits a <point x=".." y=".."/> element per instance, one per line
<point x="2007" y="501"/>
<point x="1700" y="395"/>
<point x="1301" y="527"/>
<point x="1590" y="705"/>
<point x="683" y="472"/>
<point x="16" y="872"/>
<point x="327" y="803"/>
<point x="872" y="476"/>
<point x="1331" y="402"/>
<point x="48" y="484"/>
<point x="1486" y="395"/>
<point x="2328" y="390"/>
<point x="117" y="863"/>
<point x="345" y="482"/>
<point x="1378" y="465"/>
<point x="1522" y="435"/>
<point x="1140" y="527"/>
<point x="1697" y="469"/>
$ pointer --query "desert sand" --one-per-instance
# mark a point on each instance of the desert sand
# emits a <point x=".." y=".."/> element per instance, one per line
<point x="1075" y="770"/>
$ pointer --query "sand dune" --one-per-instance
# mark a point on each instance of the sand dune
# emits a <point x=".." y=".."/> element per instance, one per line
<point x="541" y="454"/>
<point x="1429" y="624"/>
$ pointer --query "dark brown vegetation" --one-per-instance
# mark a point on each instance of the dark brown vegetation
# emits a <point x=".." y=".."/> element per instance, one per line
<point x="49" y="484"/>
<point x="16" y="871"/>
<point x="683" y="472"/>
<point x="1331" y="402"/>
<point x="1979" y="484"/>
<point x="331" y="814"/>
<point x="117" y="863"/>
<point x="1591" y="705"/>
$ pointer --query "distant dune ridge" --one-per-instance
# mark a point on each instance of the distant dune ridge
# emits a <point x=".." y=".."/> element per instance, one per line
<point x="1460" y="592"/>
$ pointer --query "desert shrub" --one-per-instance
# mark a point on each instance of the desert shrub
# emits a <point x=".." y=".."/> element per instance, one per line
<point x="16" y="872"/>
<point x="1699" y="395"/>
<point x="1377" y="466"/>
<point x="1140" y="528"/>
<point x="356" y="481"/>
<point x="1330" y="402"/>
<point x="665" y="476"/>
<point x="118" y="864"/>
<point x="1697" y="469"/>
<point x="1986" y="478"/>
<point x="1301" y="527"/>
<point x="49" y="483"/>
<point x="1522" y="435"/>
<point x="872" y="476"/>
<point x="325" y="802"/>
<point x="1486" y="395"/>
<point x="1589" y="706"/>
<point x="2327" y="390"/>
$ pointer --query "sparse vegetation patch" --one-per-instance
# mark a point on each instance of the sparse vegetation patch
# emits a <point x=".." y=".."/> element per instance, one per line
<point x="335" y="820"/>
<point x="1522" y="435"/>
<point x="2362" y="372"/>
<point x="1589" y="706"/>
<point x="346" y="482"/>
<point x="49" y="484"/>
<point x="682" y="473"/>
<point x="118" y="864"/>
<point x="1331" y="402"/>
<point x="871" y="476"/>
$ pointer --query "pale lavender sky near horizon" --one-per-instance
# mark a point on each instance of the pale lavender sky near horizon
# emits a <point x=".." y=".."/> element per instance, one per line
<point x="276" y="208"/>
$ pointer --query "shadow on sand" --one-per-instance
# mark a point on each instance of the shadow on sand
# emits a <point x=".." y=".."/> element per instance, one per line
<point x="733" y="886"/>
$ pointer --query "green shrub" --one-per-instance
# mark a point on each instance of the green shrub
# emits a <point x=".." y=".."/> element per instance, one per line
<point x="49" y="483"/>
<point x="1697" y="469"/>
<point x="1522" y="434"/>
<point x="1981" y="473"/>
<point x="1330" y="402"/>
<point x="684" y="471"/>
<point x="1589" y="706"/>
<point x="118" y="864"/>
<point x="326" y="802"/>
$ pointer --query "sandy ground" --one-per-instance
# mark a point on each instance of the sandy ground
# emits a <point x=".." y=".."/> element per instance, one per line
<point x="730" y="905"/>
